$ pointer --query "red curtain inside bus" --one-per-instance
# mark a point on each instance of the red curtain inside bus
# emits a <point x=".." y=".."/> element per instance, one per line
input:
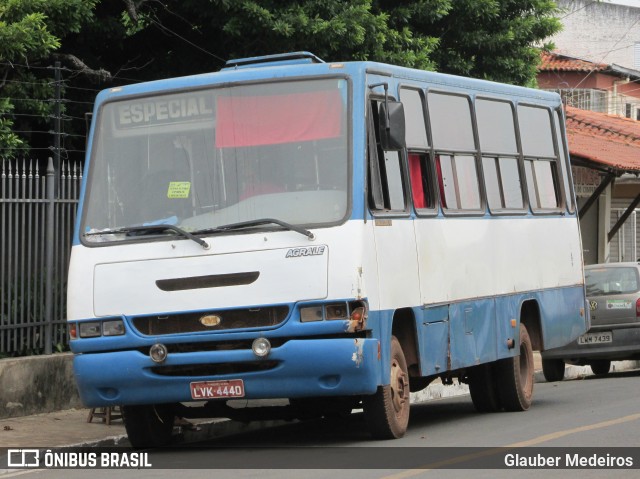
<point x="416" y="174"/>
<point x="276" y="119"/>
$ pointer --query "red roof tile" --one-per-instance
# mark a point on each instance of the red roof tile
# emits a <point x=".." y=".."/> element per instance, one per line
<point x="556" y="62"/>
<point x="609" y="140"/>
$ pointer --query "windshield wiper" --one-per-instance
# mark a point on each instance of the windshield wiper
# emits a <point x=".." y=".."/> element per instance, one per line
<point x="258" y="222"/>
<point x="142" y="230"/>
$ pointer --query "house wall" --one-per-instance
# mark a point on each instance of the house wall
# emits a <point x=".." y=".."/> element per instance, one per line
<point x="600" y="81"/>
<point x="600" y="32"/>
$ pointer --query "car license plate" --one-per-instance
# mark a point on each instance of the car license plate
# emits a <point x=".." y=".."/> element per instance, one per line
<point x="233" y="388"/>
<point x="596" y="338"/>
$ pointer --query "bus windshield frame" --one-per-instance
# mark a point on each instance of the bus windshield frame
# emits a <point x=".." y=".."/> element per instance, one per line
<point x="205" y="158"/>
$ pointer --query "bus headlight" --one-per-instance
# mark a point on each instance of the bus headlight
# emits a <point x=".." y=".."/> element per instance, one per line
<point x="90" y="329"/>
<point x="113" y="328"/>
<point x="261" y="347"/>
<point x="311" y="313"/>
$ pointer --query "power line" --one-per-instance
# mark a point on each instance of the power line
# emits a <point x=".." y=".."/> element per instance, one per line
<point x="581" y="8"/>
<point x="49" y="100"/>
<point x="162" y="27"/>
<point x="594" y="68"/>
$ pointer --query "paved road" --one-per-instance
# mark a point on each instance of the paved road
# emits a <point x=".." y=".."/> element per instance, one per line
<point x="590" y="412"/>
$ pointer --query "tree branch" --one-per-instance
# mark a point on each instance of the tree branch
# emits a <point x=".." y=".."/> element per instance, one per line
<point x="132" y="8"/>
<point x="101" y="74"/>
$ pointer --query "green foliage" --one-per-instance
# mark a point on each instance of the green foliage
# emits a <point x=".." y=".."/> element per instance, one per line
<point x="30" y="32"/>
<point x="10" y="141"/>
<point x="491" y="39"/>
<point x="136" y="40"/>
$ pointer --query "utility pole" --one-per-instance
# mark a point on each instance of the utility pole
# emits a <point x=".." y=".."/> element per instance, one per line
<point x="49" y="258"/>
<point x="57" y="133"/>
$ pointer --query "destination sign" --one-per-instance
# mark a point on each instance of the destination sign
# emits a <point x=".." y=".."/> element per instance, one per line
<point x="160" y="111"/>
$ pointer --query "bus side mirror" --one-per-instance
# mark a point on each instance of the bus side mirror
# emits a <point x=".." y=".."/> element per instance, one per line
<point x="392" y="127"/>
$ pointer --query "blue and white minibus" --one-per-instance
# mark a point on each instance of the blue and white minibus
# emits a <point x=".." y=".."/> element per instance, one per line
<point x="334" y="234"/>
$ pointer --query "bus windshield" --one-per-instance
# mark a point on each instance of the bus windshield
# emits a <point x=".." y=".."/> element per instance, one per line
<point x="208" y="158"/>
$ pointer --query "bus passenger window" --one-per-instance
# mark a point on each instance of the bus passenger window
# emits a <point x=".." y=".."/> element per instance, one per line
<point x="420" y="181"/>
<point x="395" y="188"/>
<point x="564" y="167"/>
<point x="541" y="162"/>
<point x="502" y="183"/>
<point x="414" y="119"/>
<point x="446" y="182"/>
<point x="541" y="182"/>
<point x="458" y="181"/>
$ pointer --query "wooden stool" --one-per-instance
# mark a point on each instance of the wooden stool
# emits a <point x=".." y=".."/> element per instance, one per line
<point x="107" y="414"/>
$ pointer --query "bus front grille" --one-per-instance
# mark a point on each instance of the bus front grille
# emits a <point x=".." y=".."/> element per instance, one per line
<point x="203" y="370"/>
<point x="211" y="320"/>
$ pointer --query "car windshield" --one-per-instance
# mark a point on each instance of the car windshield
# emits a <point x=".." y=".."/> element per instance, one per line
<point x="202" y="159"/>
<point x="617" y="280"/>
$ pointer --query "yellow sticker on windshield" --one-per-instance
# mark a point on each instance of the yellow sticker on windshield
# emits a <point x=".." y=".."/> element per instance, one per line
<point x="178" y="189"/>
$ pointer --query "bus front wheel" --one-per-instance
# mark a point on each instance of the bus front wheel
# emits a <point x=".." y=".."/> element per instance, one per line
<point x="514" y="376"/>
<point x="148" y="425"/>
<point x="387" y="411"/>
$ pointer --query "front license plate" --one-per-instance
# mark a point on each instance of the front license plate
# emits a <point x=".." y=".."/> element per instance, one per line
<point x="596" y="338"/>
<point x="233" y="388"/>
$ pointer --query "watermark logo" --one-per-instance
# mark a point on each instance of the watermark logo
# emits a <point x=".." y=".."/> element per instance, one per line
<point x="23" y="458"/>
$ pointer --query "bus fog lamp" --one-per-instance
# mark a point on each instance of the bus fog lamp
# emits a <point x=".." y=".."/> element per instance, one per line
<point x="158" y="353"/>
<point x="261" y="347"/>
<point x="113" y="328"/>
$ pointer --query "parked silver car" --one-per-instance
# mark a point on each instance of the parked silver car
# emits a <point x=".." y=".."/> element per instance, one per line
<point x="613" y="292"/>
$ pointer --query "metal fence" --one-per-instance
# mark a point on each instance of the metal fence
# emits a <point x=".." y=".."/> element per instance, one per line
<point x="37" y="213"/>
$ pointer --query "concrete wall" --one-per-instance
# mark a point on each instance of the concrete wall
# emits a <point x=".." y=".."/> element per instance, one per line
<point x="598" y="31"/>
<point x="37" y="384"/>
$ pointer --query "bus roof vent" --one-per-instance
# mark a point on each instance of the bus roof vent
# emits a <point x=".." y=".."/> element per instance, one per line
<point x="293" y="58"/>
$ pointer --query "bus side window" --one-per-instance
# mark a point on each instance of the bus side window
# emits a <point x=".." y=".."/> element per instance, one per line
<point x="540" y="160"/>
<point x="500" y="155"/>
<point x="542" y="183"/>
<point x="455" y="150"/>
<point x="564" y="166"/>
<point x="458" y="181"/>
<point x="420" y="182"/>
<point x="420" y="175"/>
<point x="441" y="184"/>
<point x="386" y="183"/>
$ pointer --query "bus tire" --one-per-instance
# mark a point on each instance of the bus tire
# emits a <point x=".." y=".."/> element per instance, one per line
<point x="387" y="411"/>
<point x="514" y="376"/>
<point x="600" y="366"/>
<point x="482" y="386"/>
<point x="553" y="370"/>
<point x="148" y="425"/>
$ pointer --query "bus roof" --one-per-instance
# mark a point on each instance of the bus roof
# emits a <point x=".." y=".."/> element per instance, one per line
<point x="299" y="64"/>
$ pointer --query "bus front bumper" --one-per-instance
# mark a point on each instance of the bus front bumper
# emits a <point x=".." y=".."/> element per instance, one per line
<point x="298" y="368"/>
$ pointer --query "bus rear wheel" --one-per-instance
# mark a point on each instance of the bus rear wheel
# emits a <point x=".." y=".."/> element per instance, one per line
<point x="387" y="411"/>
<point x="514" y="376"/>
<point x="483" y="389"/>
<point x="149" y="425"/>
